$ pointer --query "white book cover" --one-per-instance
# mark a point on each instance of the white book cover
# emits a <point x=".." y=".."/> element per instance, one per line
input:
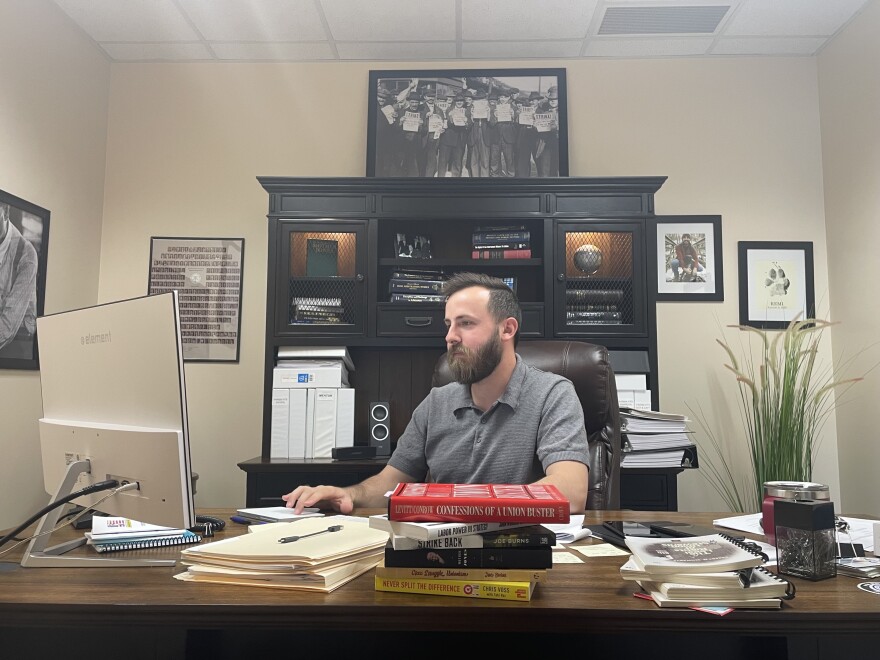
<point x="345" y="418"/>
<point x="323" y="375"/>
<point x="626" y="399"/>
<point x="279" y="423"/>
<point x="296" y="434"/>
<point x="325" y="422"/>
<point x="310" y="423"/>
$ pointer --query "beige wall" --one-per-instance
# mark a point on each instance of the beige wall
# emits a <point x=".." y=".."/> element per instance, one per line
<point x="737" y="137"/>
<point x="184" y="143"/>
<point x="54" y="86"/>
<point x="850" y="106"/>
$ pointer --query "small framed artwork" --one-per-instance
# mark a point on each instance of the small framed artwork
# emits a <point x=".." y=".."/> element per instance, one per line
<point x="207" y="274"/>
<point x="775" y="283"/>
<point x="498" y="123"/>
<point x="24" y="246"/>
<point x="413" y="246"/>
<point x="689" y="266"/>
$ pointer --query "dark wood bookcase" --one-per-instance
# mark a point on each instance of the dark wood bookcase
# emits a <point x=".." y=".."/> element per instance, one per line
<point x="590" y="239"/>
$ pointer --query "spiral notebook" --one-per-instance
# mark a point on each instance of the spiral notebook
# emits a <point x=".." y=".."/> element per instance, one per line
<point x="713" y="553"/>
<point x="185" y="538"/>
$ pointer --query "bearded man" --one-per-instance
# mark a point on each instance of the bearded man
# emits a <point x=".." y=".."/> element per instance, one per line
<point x="502" y="422"/>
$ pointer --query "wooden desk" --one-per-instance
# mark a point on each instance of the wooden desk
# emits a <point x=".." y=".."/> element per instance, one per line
<point x="585" y="604"/>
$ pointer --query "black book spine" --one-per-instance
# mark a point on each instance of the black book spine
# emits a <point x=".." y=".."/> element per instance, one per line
<point x="500" y="236"/>
<point x="471" y="557"/>
<point x="502" y="245"/>
<point x="594" y="295"/>
<point x="414" y="286"/>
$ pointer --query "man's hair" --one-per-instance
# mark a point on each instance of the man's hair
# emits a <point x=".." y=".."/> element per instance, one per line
<point x="684" y="236"/>
<point x="503" y="302"/>
<point x="4" y="210"/>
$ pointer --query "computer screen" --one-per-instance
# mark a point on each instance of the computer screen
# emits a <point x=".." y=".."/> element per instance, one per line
<point x="114" y="394"/>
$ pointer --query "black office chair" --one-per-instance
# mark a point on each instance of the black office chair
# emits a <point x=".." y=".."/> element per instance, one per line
<point x="588" y="367"/>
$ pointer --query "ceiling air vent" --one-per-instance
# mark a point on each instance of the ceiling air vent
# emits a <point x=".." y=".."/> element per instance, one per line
<point x="662" y="20"/>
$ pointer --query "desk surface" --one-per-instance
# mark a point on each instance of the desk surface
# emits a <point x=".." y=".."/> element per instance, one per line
<point x="588" y="597"/>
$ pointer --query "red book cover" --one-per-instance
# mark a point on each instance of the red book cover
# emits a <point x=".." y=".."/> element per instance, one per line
<point x="501" y="254"/>
<point x="534" y="503"/>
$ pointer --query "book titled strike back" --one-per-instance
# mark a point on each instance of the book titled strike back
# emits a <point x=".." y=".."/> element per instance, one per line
<point x="533" y="503"/>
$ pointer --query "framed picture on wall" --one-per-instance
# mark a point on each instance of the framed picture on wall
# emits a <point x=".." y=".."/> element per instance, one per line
<point x="467" y="123"/>
<point x="775" y="283"/>
<point x="207" y="274"/>
<point x="689" y="265"/>
<point x="24" y="246"/>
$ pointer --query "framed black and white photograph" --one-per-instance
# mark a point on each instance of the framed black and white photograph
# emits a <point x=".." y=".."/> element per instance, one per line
<point x="467" y="123"/>
<point x="689" y="264"/>
<point x="207" y="274"/>
<point x="24" y="246"/>
<point x="775" y="283"/>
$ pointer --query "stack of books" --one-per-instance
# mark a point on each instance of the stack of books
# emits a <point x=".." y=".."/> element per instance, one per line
<point x="316" y="311"/>
<point x="416" y="285"/>
<point x="472" y="540"/>
<point x="656" y="440"/>
<point x="312" y="402"/>
<point x="502" y="242"/>
<point x="310" y="554"/>
<point x="590" y="306"/>
<point x="111" y="534"/>
<point x="703" y="571"/>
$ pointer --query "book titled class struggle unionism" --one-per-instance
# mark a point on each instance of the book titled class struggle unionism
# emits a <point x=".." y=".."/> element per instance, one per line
<point x="532" y="503"/>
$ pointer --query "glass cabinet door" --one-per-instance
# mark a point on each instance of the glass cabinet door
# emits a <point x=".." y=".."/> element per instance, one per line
<point x="321" y="278"/>
<point x="600" y="281"/>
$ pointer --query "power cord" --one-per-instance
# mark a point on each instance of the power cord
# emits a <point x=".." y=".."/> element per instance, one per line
<point x="103" y="485"/>
<point x="207" y="525"/>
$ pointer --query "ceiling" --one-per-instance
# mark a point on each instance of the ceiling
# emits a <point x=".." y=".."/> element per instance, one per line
<point x="404" y="31"/>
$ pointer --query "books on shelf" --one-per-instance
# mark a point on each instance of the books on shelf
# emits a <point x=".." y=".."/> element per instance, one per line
<point x="321" y="257"/>
<point x="502" y="253"/>
<point x="417" y="298"/>
<point x="495" y="590"/>
<point x="414" y="286"/>
<point x="580" y="296"/>
<point x="428" y="531"/>
<point x="713" y="553"/>
<point x="532" y="503"/>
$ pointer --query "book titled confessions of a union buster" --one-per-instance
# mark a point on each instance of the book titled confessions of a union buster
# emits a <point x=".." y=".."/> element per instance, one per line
<point x="533" y="503"/>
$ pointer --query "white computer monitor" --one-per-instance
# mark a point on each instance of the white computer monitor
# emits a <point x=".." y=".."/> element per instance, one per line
<point x="114" y="400"/>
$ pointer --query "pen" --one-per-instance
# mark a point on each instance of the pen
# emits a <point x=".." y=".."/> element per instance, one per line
<point x="241" y="520"/>
<point x="291" y="539"/>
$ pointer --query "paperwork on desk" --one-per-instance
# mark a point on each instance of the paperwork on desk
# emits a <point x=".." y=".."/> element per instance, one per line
<point x="318" y="560"/>
<point x="569" y="532"/>
<point x="860" y="530"/>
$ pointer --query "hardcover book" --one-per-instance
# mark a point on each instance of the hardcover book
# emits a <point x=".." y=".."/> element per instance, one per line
<point x="470" y="558"/>
<point x="696" y="554"/>
<point x="533" y="503"/>
<point x="501" y="254"/>
<point x="426" y="531"/>
<point x="521" y="591"/>
<point x="321" y="258"/>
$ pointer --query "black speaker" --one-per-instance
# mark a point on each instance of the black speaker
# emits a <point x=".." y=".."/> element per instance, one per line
<point x="380" y="427"/>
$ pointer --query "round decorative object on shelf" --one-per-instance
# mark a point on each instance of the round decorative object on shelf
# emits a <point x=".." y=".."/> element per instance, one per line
<point x="588" y="258"/>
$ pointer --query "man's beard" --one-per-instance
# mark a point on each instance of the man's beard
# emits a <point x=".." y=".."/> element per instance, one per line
<point x="470" y="366"/>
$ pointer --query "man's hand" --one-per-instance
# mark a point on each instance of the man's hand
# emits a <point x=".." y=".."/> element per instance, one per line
<point x="305" y="496"/>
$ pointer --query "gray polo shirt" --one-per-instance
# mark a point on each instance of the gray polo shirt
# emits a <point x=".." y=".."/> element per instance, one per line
<point x="536" y="422"/>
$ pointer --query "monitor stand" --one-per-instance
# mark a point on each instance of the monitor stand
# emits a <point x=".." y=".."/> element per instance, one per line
<point x="38" y="555"/>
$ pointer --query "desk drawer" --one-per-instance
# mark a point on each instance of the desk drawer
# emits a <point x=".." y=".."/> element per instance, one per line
<point x="396" y="320"/>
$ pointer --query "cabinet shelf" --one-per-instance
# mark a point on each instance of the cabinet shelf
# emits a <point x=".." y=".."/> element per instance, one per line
<point x="458" y="263"/>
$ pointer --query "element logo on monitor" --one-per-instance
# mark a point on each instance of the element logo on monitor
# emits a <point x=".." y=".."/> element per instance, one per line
<point x="100" y="338"/>
<point x="302" y="378"/>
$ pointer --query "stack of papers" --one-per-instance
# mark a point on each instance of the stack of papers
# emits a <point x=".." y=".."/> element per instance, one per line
<point x="656" y="439"/>
<point x="311" y="554"/>
<point x="112" y="534"/>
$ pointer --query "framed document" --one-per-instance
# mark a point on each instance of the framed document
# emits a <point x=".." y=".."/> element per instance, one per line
<point x="207" y="274"/>
<point x="775" y="283"/>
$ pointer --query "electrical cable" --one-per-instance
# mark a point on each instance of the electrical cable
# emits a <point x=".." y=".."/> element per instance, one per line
<point x="122" y="488"/>
<point x="88" y="490"/>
